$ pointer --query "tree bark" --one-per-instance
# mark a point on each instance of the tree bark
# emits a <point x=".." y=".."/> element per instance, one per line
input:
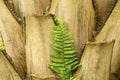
<point x="111" y="31"/>
<point x="39" y="38"/>
<point x="96" y="61"/>
<point x="36" y="21"/>
<point x="34" y="7"/>
<point x="103" y="9"/>
<point x="81" y="28"/>
<point x="13" y="39"/>
<point x="7" y="71"/>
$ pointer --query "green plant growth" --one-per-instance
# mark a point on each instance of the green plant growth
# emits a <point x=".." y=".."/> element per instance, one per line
<point x="2" y="46"/>
<point x="64" y="59"/>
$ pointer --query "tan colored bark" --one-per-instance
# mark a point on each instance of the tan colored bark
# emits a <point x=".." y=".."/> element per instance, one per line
<point x="80" y="19"/>
<point x="13" y="7"/>
<point x="1" y="40"/>
<point x="10" y="2"/>
<point x="111" y="31"/>
<point x="34" y="7"/>
<point x="96" y="61"/>
<point x="39" y="40"/>
<point x="71" y="13"/>
<point x="12" y="35"/>
<point x="103" y="9"/>
<point x="7" y="72"/>
<point x="16" y="7"/>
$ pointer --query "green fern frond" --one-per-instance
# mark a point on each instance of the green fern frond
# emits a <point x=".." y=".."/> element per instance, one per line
<point x="64" y="61"/>
<point x="72" y="78"/>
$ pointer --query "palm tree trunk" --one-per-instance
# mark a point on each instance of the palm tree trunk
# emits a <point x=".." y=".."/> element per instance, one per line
<point x="27" y="30"/>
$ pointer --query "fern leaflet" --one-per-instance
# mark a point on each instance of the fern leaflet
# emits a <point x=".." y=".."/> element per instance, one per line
<point x="64" y="60"/>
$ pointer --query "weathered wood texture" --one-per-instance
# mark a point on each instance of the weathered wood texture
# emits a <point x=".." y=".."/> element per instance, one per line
<point x="111" y="31"/>
<point x="16" y="7"/>
<point x="12" y="35"/>
<point x="7" y="72"/>
<point x="34" y="7"/>
<point x="96" y="61"/>
<point x="1" y="40"/>
<point x="103" y="9"/>
<point x="39" y="36"/>
<point x="79" y="17"/>
<point x="13" y="7"/>
<point x="80" y="24"/>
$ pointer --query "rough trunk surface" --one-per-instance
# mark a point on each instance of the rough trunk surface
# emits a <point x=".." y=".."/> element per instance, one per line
<point x="103" y="10"/>
<point x="39" y="36"/>
<point x="96" y="61"/>
<point x="13" y="39"/>
<point x="7" y="71"/>
<point x="111" y="31"/>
